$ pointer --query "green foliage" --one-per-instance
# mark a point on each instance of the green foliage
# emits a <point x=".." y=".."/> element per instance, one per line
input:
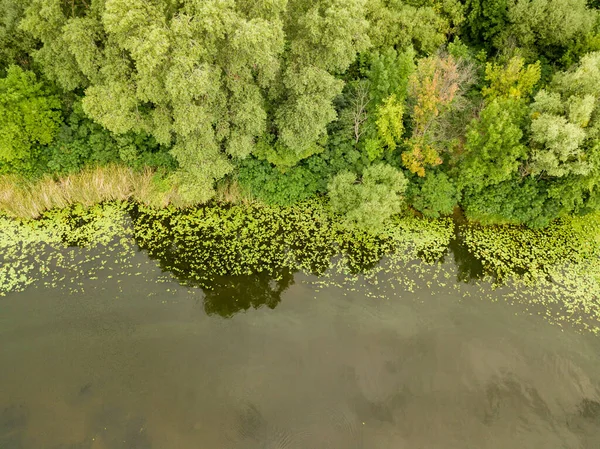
<point x="81" y="142"/>
<point x="370" y="202"/>
<point x="543" y="27"/>
<point x="558" y="174"/>
<point x="485" y="20"/>
<point x="423" y="24"/>
<point x="15" y="45"/>
<point x="283" y="95"/>
<point x="200" y="74"/>
<point x="284" y="158"/>
<point x="565" y="121"/>
<point x="29" y="116"/>
<point x="437" y="195"/>
<point x="326" y="33"/>
<point x="388" y="74"/>
<point x="303" y="118"/>
<point x="29" y="249"/>
<point x="374" y="107"/>
<point x="510" y="250"/>
<point x="389" y="122"/>
<point x="561" y="142"/>
<point x="271" y="186"/>
<point x="212" y="246"/>
<point x="494" y="146"/>
<point x="557" y="266"/>
<point x="512" y="80"/>
<point x="515" y="201"/>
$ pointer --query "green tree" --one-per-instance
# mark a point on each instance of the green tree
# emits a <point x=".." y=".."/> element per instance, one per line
<point x="540" y="27"/>
<point x="425" y="25"/>
<point x="494" y="146"/>
<point x="209" y="77"/>
<point x="389" y="122"/>
<point x="485" y="20"/>
<point x="565" y="122"/>
<point x="29" y="115"/>
<point x="370" y="201"/>
<point x="268" y="184"/>
<point x="512" y="80"/>
<point x="386" y="92"/>
<point x="436" y="196"/>
<point x="388" y="74"/>
<point x="81" y="142"/>
<point x="517" y="200"/>
<point x="324" y="38"/>
<point x="15" y="44"/>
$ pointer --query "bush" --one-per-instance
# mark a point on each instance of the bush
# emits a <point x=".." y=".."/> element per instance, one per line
<point x="373" y="200"/>
<point x="267" y="183"/>
<point x="82" y="141"/>
<point x="436" y="196"/>
<point x="29" y="117"/>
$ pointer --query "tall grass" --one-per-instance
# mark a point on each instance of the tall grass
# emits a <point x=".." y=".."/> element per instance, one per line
<point x="29" y="199"/>
<point x="230" y="191"/>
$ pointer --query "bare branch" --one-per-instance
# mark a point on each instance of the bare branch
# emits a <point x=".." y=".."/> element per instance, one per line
<point x="360" y="101"/>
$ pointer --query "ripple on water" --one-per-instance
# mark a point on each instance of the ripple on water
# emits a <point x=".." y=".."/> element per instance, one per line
<point x="253" y="431"/>
<point x="13" y="421"/>
<point x="335" y="427"/>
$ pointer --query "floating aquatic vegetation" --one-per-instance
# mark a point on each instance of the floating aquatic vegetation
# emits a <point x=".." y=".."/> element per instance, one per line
<point x="200" y="244"/>
<point x="557" y="268"/>
<point x="245" y="255"/>
<point x="34" y="249"/>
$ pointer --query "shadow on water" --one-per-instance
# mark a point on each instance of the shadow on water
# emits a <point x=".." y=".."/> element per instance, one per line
<point x="469" y="268"/>
<point x="216" y="262"/>
<point x="242" y="264"/>
<point x="229" y="295"/>
<point x="590" y="409"/>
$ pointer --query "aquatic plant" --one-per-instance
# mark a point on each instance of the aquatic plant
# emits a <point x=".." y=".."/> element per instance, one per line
<point x="28" y="248"/>
<point x="199" y="243"/>
<point x="245" y="255"/>
<point x="557" y="269"/>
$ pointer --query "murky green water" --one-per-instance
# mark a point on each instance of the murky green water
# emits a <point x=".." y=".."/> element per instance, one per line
<point x="125" y="362"/>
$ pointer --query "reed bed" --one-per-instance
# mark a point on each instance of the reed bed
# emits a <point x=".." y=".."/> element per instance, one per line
<point x="21" y="198"/>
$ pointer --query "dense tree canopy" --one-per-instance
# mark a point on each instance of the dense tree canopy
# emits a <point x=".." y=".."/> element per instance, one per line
<point x="491" y="105"/>
<point x="28" y="115"/>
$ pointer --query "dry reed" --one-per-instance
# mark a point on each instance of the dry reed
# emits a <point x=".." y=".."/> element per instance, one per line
<point x="26" y="199"/>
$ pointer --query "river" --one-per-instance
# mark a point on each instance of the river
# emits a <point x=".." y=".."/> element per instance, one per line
<point x="134" y="360"/>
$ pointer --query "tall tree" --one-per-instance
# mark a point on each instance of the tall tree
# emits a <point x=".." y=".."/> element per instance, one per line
<point x="15" y="44"/>
<point x="425" y="25"/>
<point x="435" y="90"/>
<point x="29" y="116"/>
<point x="209" y="76"/>
<point x="538" y="28"/>
<point x="565" y="123"/>
<point x="494" y="147"/>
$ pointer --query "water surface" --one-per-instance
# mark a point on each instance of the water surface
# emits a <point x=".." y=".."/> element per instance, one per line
<point x="126" y="362"/>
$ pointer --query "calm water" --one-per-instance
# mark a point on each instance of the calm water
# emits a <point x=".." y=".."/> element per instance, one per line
<point x="126" y="362"/>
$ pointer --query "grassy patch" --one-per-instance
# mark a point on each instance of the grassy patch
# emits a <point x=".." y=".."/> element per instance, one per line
<point x="21" y="198"/>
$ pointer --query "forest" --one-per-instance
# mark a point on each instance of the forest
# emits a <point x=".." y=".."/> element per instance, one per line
<point x="487" y="107"/>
